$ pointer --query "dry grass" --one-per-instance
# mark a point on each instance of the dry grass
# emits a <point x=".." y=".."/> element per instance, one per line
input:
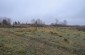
<point x="41" y="41"/>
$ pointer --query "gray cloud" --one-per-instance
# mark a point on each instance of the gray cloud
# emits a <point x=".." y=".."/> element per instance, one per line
<point x="47" y="10"/>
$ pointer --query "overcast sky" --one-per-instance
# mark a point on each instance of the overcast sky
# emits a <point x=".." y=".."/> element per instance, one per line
<point x="47" y="10"/>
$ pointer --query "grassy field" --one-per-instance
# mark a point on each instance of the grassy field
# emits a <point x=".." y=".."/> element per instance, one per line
<point x="41" y="41"/>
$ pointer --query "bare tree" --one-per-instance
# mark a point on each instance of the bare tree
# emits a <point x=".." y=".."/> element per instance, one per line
<point x="0" y="21"/>
<point x="65" y="22"/>
<point x="6" y="21"/>
<point x="15" y="23"/>
<point x="18" y="23"/>
<point x="57" y="21"/>
<point x="33" y="21"/>
<point x="37" y="22"/>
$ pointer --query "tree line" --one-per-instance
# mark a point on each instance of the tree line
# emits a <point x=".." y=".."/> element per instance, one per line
<point x="34" y="22"/>
<point x="7" y="22"/>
